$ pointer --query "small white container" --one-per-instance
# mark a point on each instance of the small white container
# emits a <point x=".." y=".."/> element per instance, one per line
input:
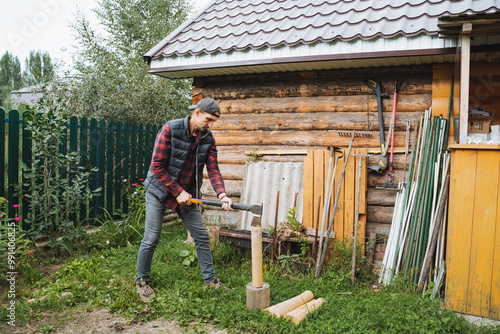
<point x="495" y="129"/>
<point x="495" y="137"/>
<point x="481" y="136"/>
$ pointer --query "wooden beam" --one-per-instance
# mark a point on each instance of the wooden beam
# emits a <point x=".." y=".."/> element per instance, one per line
<point x="316" y="104"/>
<point x="466" y="28"/>
<point x="464" y="82"/>
<point x="290" y="151"/>
<point x="324" y="138"/>
<point x="460" y="23"/>
<point x="313" y="121"/>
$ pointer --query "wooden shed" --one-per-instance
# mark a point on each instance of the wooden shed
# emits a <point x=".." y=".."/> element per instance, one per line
<point x="290" y="76"/>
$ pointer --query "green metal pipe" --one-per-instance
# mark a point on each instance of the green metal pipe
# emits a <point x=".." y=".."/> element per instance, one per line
<point x="405" y="199"/>
<point x="427" y="196"/>
<point x="416" y="209"/>
<point x="423" y="182"/>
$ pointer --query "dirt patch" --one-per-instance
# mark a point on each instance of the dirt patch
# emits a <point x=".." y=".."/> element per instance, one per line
<point x="102" y="321"/>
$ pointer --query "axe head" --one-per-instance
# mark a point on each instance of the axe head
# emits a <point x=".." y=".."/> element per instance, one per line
<point x="256" y="209"/>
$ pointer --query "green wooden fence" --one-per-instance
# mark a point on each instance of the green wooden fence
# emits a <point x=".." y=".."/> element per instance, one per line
<point x="120" y="151"/>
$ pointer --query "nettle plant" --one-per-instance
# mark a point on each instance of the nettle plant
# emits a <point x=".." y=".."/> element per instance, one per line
<point x="57" y="185"/>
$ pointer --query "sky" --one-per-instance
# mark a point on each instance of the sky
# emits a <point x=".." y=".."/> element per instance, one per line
<point x="44" y="25"/>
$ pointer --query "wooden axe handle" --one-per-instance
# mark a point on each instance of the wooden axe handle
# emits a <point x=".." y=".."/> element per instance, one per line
<point x="254" y="208"/>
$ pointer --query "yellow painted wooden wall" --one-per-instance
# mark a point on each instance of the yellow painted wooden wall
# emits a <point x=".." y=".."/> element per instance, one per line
<point x="315" y="182"/>
<point x="484" y="90"/>
<point x="441" y="87"/>
<point x="473" y="239"/>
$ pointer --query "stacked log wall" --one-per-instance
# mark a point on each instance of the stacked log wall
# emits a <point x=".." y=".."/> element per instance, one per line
<point x="304" y="110"/>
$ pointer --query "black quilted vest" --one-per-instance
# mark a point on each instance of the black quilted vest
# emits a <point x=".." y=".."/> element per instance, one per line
<point x="180" y="147"/>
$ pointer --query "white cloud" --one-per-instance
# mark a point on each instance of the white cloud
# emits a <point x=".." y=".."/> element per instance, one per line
<point x="40" y="25"/>
<point x="44" y="25"/>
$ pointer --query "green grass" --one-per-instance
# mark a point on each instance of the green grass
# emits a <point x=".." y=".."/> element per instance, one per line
<point x="105" y="279"/>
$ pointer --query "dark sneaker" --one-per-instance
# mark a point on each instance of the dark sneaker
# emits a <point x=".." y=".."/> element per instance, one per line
<point x="144" y="290"/>
<point x="215" y="284"/>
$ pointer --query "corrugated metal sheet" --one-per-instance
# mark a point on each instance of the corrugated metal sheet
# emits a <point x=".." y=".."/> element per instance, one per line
<point x="228" y="25"/>
<point x="263" y="180"/>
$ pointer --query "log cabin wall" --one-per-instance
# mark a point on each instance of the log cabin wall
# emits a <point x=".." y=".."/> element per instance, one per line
<point x="295" y="111"/>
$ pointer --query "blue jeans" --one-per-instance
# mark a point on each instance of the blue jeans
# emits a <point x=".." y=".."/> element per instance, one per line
<point x="193" y="220"/>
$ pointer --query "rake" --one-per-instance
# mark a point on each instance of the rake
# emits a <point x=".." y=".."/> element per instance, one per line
<point x="350" y="133"/>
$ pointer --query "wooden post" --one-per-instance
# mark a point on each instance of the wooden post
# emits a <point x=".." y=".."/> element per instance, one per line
<point x="464" y="82"/>
<point x="356" y="221"/>
<point x="258" y="292"/>
<point x="256" y="256"/>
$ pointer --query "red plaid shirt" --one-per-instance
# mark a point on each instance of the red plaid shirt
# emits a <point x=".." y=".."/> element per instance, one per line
<point x="187" y="179"/>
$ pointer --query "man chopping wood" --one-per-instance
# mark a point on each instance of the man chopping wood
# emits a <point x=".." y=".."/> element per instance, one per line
<point x="182" y="148"/>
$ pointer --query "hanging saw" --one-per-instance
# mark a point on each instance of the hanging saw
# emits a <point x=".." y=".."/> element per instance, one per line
<point x="375" y="85"/>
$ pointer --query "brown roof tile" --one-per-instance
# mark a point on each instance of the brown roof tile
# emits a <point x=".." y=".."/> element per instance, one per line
<point x="228" y="25"/>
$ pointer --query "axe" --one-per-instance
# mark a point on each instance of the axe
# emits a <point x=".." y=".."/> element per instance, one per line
<point x="256" y="209"/>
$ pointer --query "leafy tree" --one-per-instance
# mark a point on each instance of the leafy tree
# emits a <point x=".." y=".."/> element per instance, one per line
<point x="39" y="68"/>
<point x="10" y="76"/>
<point x="10" y="71"/>
<point x="112" y="82"/>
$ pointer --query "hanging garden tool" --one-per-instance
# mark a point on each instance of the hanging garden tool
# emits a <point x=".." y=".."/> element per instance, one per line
<point x="390" y="182"/>
<point x="375" y="85"/>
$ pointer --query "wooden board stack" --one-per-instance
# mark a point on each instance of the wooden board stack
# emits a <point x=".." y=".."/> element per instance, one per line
<point x="296" y="308"/>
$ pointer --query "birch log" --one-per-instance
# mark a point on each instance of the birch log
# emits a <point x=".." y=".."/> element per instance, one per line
<point x="283" y="308"/>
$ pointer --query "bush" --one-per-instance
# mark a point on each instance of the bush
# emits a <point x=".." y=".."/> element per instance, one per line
<point x="52" y="197"/>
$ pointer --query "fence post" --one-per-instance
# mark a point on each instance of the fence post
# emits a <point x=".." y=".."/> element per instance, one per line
<point x="140" y="153"/>
<point x="109" y="165"/>
<point x="147" y="156"/>
<point x="93" y="147"/>
<point x="118" y="166"/>
<point x="133" y="153"/>
<point x="64" y="176"/>
<point x="27" y="159"/>
<point x="102" y="167"/>
<point x="83" y="159"/>
<point x="126" y="165"/>
<point x="63" y="149"/>
<point x="13" y="159"/>
<point x="2" y="152"/>
<point x="73" y="147"/>
<point x="154" y="132"/>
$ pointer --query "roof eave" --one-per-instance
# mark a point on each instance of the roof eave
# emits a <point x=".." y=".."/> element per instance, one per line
<point x="177" y="72"/>
<point x="151" y="53"/>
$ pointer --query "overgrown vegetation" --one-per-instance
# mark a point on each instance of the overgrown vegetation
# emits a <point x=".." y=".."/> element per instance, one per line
<point x="52" y="195"/>
<point x="104" y="278"/>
